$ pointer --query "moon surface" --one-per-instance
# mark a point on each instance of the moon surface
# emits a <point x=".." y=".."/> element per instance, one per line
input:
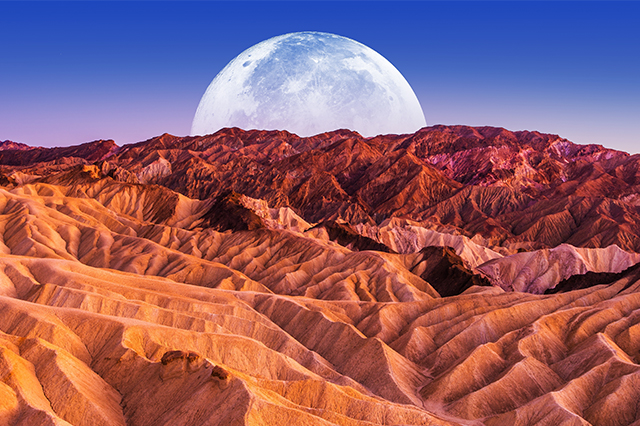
<point x="310" y="83"/>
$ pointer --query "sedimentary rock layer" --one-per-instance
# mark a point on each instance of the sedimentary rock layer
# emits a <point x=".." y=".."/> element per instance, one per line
<point x="216" y="281"/>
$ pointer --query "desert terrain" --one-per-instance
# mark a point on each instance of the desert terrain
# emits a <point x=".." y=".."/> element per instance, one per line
<point x="455" y="276"/>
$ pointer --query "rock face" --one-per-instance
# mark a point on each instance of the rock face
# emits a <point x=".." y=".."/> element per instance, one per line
<point x="540" y="270"/>
<point x="456" y="276"/>
<point x="5" y="145"/>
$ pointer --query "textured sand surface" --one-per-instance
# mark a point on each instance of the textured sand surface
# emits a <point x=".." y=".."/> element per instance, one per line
<point x="125" y="300"/>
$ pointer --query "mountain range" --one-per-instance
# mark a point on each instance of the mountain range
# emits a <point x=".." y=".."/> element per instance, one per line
<point x="455" y="276"/>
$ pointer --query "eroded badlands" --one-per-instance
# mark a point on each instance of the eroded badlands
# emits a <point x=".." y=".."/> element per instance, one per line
<point x="457" y="276"/>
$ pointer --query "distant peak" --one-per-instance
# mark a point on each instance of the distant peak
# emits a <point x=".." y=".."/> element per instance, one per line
<point x="10" y="145"/>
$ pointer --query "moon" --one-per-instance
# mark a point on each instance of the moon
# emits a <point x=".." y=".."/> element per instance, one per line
<point x="309" y="83"/>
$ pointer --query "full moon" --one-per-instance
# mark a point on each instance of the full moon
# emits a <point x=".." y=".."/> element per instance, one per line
<point x="309" y="83"/>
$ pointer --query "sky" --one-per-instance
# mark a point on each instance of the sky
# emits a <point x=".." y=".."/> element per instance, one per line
<point x="73" y="72"/>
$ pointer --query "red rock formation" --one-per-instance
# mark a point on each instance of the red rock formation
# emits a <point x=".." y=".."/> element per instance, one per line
<point x="260" y="278"/>
<point x="91" y="152"/>
<point x="16" y="146"/>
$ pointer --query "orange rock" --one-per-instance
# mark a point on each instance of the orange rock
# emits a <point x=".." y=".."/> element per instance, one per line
<point x="259" y="278"/>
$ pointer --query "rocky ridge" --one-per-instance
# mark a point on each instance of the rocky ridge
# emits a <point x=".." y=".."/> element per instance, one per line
<point x="261" y="278"/>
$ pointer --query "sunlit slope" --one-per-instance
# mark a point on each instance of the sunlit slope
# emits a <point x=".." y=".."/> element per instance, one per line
<point x="454" y="276"/>
<point x="101" y="286"/>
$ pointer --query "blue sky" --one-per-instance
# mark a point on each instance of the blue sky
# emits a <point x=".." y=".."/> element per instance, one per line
<point x="72" y="72"/>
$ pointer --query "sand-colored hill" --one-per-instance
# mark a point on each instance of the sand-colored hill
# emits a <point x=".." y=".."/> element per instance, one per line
<point x="125" y="299"/>
<point x="283" y="322"/>
<point x="539" y="270"/>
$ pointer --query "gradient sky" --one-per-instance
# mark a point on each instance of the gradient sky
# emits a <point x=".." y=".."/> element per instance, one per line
<point x="73" y="72"/>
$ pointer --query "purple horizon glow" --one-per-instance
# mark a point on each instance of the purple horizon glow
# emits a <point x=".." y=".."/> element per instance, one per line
<point x="75" y="72"/>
